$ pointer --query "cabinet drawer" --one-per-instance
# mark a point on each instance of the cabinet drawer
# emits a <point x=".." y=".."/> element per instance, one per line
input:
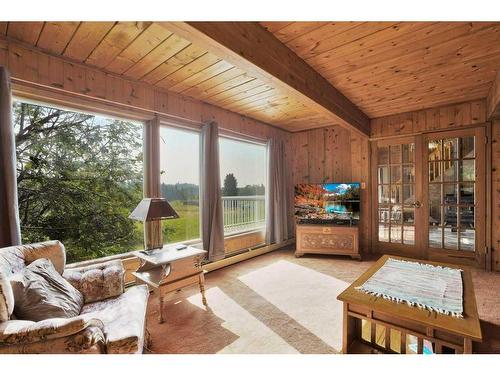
<point x="327" y="240"/>
<point x="311" y="241"/>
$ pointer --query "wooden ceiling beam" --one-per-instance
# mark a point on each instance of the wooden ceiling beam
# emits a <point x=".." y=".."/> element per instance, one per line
<point x="493" y="99"/>
<point x="252" y="48"/>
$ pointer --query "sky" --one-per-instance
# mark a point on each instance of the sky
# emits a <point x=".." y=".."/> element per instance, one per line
<point x="180" y="152"/>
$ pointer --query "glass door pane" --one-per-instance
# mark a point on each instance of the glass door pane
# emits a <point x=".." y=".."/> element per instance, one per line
<point x="396" y="193"/>
<point x="451" y="193"/>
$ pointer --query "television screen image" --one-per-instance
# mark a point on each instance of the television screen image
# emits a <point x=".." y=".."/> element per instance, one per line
<point x="327" y="203"/>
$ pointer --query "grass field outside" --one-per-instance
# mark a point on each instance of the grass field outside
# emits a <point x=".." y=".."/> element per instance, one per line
<point x="186" y="227"/>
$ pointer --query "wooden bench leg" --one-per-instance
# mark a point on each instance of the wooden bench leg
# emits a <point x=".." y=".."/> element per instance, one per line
<point x="467" y="346"/>
<point x="420" y="345"/>
<point x="348" y="330"/>
<point x="403" y="343"/>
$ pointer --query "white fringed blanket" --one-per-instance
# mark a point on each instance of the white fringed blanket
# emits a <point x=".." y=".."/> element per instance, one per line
<point x="431" y="287"/>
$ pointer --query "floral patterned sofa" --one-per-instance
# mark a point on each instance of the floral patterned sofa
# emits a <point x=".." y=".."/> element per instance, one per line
<point x="111" y="321"/>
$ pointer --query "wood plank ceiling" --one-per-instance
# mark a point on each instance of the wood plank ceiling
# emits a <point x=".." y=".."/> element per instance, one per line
<point x="391" y="67"/>
<point x="382" y="67"/>
<point x="150" y="53"/>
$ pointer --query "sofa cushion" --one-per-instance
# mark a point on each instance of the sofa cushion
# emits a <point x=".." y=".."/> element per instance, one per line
<point x="97" y="281"/>
<point x="40" y="293"/>
<point x="123" y="318"/>
<point x="6" y="298"/>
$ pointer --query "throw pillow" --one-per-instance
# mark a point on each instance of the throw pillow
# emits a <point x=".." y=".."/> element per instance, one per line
<point x="40" y="293"/>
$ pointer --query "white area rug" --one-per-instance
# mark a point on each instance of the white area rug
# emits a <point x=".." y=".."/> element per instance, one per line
<point x="307" y="296"/>
<point x="434" y="288"/>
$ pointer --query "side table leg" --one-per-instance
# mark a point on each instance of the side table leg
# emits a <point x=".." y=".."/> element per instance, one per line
<point x="160" y="299"/>
<point x="202" y="288"/>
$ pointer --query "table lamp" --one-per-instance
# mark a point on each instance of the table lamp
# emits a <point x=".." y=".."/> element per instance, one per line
<point x="153" y="209"/>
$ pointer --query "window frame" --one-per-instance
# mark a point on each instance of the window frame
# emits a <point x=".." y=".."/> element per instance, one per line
<point x="49" y="97"/>
<point x="88" y="107"/>
<point x="233" y="136"/>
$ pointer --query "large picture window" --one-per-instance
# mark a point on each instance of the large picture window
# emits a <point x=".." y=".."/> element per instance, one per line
<point x="180" y="182"/>
<point x="243" y="170"/>
<point x="79" y="176"/>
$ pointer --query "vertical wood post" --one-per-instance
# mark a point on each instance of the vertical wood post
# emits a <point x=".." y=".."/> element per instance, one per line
<point x="151" y="141"/>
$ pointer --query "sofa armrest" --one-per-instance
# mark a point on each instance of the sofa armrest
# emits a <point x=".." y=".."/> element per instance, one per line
<point x="89" y="341"/>
<point x="98" y="281"/>
<point x="18" y="332"/>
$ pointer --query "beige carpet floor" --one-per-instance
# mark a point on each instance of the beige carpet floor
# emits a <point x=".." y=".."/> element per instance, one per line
<point x="276" y="303"/>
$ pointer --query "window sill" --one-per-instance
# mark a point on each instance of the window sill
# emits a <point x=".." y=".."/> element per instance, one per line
<point x="244" y="232"/>
<point x="126" y="255"/>
<point x="130" y="254"/>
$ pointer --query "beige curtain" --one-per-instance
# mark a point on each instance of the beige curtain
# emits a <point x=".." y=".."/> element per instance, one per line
<point x="211" y="203"/>
<point x="10" y="233"/>
<point x="151" y="141"/>
<point x="276" y="197"/>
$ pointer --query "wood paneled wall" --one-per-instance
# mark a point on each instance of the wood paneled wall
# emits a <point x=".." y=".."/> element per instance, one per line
<point x="493" y="99"/>
<point x="439" y="118"/>
<point x="495" y="194"/>
<point x="334" y="154"/>
<point x="69" y="78"/>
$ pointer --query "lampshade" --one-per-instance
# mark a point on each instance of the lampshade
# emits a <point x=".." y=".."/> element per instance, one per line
<point x="153" y="209"/>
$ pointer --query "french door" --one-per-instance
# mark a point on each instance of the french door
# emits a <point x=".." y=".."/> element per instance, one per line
<point x="397" y="198"/>
<point x="429" y="200"/>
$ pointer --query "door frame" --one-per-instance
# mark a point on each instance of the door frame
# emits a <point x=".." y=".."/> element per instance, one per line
<point x="482" y="256"/>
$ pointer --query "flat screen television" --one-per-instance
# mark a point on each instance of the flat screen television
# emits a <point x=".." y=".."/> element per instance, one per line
<point x="327" y="203"/>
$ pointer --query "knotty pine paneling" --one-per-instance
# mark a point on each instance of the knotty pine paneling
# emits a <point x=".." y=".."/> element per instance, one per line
<point x="440" y="118"/>
<point x="334" y="154"/>
<point x="35" y="67"/>
<point x="495" y="194"/>
<point x="392" y="67"/>
<point x="493" y="99"/>
<point x="74" y="82"/>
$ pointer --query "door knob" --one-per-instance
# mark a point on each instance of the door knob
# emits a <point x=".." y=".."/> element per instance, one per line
<point x="417" y="204"/>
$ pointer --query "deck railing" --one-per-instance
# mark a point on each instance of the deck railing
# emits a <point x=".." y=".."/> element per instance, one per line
<point x="243" y="213"/>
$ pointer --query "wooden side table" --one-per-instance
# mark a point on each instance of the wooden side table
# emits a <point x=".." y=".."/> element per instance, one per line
<point x="168" y="269"/>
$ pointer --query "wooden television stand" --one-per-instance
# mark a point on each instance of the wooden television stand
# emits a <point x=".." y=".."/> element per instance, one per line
<point x="327" y="239"/>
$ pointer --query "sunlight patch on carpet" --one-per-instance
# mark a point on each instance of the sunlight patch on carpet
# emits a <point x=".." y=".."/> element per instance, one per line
<point x="307" y="296"/>
<point x="254" y="336"/>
